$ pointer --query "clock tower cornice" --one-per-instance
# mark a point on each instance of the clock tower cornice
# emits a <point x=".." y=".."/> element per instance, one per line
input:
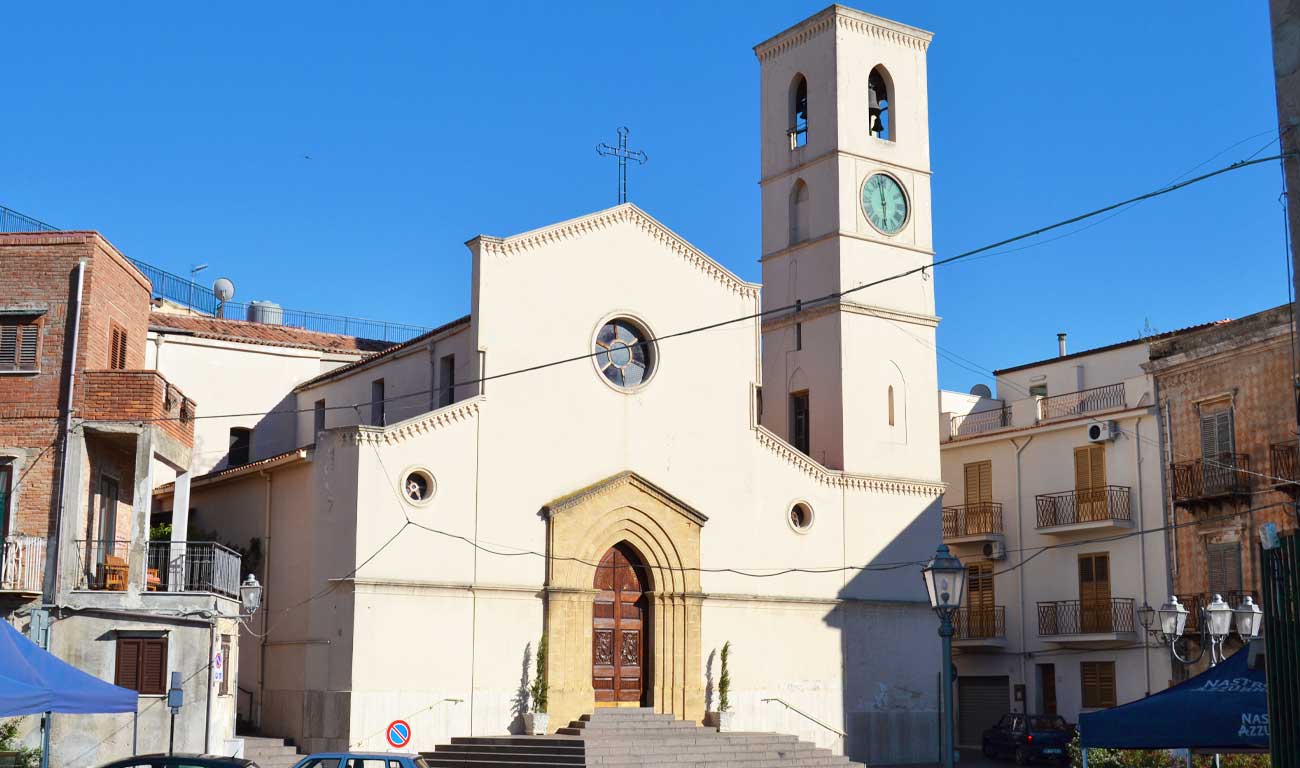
<point x="833" y="153"/>
<point x="842" y="18"/>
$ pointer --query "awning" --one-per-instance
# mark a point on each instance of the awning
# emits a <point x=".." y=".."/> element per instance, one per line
<point x="33" y="681"/>
<point x="1223" y="709"/>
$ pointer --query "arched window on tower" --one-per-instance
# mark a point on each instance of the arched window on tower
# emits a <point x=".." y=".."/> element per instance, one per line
<point x="798" y="112"/>
<point x="800" y="211"/>
<point x="880" y="99"/>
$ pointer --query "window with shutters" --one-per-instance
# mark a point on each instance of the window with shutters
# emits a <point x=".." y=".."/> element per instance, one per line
<point x="980" y="603"/>
<point x="117" y="347"/>
<point x="979" y="482"/>
<point x="1095" y="613"/>
<point x="1090" y="482"/>
<point x="1217" y="434"/>
<point x="1224" y="565"/>
<point x="20" y="345"/>
<point x="1097" y="681"/>
<point x="142" y="664"/>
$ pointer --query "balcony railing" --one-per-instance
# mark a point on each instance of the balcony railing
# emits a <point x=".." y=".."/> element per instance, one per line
<point x="193" y="566"/>
<point x="1086" y="505"/>
<point x="1227" y="474"/>
<point x="13" y="221"/>
<point x="977" y="519"/>
<point x="22" y="564"/>
<point x="1105" y="398"/>
<point x="1195" y="602"/>
<point x="103" y="565"/>
<point x="1284" y="463"/>
<point x="981" y="421"/>
<point x="1087" y="617"/>
<point x="980" y="623"/>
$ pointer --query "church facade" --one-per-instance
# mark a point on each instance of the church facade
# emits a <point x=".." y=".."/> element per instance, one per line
<point x="771" y="483"/>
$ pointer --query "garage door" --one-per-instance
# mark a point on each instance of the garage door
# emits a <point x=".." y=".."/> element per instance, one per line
<point x="981" y="702"/>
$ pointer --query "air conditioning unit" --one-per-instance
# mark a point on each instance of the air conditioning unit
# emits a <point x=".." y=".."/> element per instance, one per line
<point x="995" y="550"/>
<point x="1102" y="431"/>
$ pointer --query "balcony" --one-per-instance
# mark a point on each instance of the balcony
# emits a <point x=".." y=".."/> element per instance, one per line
<point x="1195" y="602"/>
<point x="1284" y="466"/>
<point x="1086" y="509"/>
<point x="193" y="566"/>
<point x="131" y="395"/>
<point x="1205" y="481"/>
<point x="1088" y="623"/>
<point x="978" y="422"/>
<point x="972" y="523"/>
<point x="979" y="628"/>
<point x="22" y="566"/>
<point x="1107" y="398"/>
<point x="103" y="565"/>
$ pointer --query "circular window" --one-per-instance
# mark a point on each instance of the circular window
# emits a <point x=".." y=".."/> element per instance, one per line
<point x="625" y="355"/>
<point x="418" y="486"/>
<point x="801" y="517"/>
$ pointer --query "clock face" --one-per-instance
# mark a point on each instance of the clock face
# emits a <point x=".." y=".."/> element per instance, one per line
<point x="884" y="203"/>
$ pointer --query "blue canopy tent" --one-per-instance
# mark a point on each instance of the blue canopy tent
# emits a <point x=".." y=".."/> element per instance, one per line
<point x="33" y="681"/>
<point x="1223" y="709"/>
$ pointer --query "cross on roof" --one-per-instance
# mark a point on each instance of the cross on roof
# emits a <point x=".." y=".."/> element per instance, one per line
<point x="623" y="154"/>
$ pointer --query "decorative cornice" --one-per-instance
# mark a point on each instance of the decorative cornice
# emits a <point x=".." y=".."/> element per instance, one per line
<point x="419" y="425"/>
<point x="626" y="213"/>
<point x="810" y="311"/>
<point x="847" y="19"/>
<point x="840" y="479"/>
<point x="613" y="483"/>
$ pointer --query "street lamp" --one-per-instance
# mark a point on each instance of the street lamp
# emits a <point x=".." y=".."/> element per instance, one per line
<point x="945" y="581"/>
<point x="250" y="594"/>
<point x="1215" y="621"/>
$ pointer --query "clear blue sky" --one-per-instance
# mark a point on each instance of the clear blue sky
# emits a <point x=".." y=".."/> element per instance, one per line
<point x="180" y="130"/>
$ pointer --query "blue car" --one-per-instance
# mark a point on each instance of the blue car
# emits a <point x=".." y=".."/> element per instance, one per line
<point x="362" y="760"/>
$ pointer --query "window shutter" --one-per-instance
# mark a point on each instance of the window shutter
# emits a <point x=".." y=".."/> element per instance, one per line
<point x="153" y="666"/>
<point x="1216" y="434"/>
<point x="8" y="347"/>
<point x="27" y="347"/>
<point x="1106" y="683"/>
<point x="1088" y="675"/>
<point x="986" y="481"/>
<point x="1223" y="430"/>
<point x="972" y="472"/>
<point x="1082" y="471"/>
<point x="1097" y="461"/>
<point x="128" y="664"/>
<point x="1224" y="561"/>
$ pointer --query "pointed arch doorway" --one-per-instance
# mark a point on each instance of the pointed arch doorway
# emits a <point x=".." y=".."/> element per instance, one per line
<point x="619" y="619"/>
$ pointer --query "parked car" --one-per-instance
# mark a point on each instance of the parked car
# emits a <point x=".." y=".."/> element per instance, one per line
<point x="1029" y="737"/>
<point x="362" y="760"/>
<point x="180" y="761"/>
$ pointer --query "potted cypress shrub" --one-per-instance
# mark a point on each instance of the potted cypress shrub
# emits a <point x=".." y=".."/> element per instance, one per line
<point x="724" y="691"/>
<point x="537" y="720"/>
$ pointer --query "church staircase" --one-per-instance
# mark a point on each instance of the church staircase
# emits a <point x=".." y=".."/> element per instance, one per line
<point x="632" y="738"/>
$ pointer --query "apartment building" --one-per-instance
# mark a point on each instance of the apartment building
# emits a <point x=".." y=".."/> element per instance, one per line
<point x="1049" y="485"/>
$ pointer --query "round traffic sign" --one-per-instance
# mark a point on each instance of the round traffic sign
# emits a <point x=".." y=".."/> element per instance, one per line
<point x="399" y="733"/>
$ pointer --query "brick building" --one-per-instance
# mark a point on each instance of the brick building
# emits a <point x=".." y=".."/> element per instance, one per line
<point x="84" y="427"/>
<point x="1229" y="436"/>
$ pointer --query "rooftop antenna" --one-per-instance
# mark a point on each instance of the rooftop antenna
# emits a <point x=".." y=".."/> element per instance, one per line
<point x="194" y="271"/>
<point x="222" y="290"/>
<point x="623" y="154"/>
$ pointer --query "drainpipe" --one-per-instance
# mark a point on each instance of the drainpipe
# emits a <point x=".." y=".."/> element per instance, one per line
<point x="266" y="598"/>
<point x="1142" y="543"/>
<point x="1020" y="572"/>
<point x="69" y="378"/>
<point x="207" y="695"/>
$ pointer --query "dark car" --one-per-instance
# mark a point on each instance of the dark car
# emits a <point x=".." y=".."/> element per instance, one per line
<point x="180" y="761"/>
<point x="1029" y="737"/>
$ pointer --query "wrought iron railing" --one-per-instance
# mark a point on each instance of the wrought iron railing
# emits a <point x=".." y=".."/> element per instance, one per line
<point x="977" y="422"/>
<point x="193" y="566"/>
<point x="972" y="519"/>
<point x="13" y="221"/>
<point x="1085" y="505"/>
<point x="1091" y="400"/>
<point x="22" y="564"/>
<point x="1227" y="474"/>
<point x="1196" y="601"/>
<point x="103" y="564"/>
<point x="980" y="623"/>
<point x="1085" y="617"/>
<point x="1284" y="463"/>
<point x="182" y="291"/>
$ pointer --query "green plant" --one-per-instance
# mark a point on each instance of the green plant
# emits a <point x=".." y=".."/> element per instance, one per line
<point x="1157" y="758"/>
<point x="724" y="680"/>
<point x="26" y="758"/>
<point x="538" y="689"/>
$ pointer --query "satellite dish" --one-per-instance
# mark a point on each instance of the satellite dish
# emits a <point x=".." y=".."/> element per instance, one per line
<point x="223" y="289"/>
<point x="981" y="390"/>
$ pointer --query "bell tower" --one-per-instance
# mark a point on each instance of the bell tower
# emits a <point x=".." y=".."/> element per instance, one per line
<point x="849" y="380"/>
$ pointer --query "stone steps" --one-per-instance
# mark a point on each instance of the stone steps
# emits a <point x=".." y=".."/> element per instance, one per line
<point x="270" y="752"/>
<point x="634" y="738"/>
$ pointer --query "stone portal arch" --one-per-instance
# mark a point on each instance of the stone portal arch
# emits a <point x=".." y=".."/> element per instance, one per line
<point x="627" y="510"/>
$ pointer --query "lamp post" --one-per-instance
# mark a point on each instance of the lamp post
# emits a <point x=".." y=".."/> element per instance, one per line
<point x="945" y="581"/>
<point x="1215" y="621"/>
<point x="250" y="594"/>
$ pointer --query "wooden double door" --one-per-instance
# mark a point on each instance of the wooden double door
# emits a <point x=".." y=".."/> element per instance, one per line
<point x="620" y="620"/>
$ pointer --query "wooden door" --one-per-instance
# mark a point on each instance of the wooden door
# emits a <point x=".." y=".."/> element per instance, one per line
<point x="979" y="600"/>
<point x="1094" y="593"/>
<point x="1047" y="687"/>
<point x="1090" y="482"/>
<point x="619" y="621"/>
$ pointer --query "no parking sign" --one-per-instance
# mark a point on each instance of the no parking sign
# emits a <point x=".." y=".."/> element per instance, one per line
<point x="399" y="733"/>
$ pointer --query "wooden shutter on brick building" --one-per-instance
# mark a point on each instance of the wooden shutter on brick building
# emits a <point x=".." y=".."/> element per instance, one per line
<point x="117" y="348"/>
<point x="19" y="345"/>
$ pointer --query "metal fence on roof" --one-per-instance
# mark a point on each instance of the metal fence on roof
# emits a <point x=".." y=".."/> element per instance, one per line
<point x="13" y="221"/>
